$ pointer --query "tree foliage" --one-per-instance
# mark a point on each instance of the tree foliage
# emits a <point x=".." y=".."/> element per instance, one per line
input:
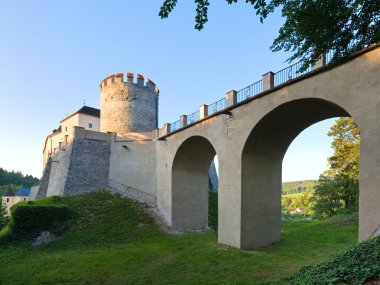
<point x="312" y="27"/>
<point x="17" y="178"/>
<point x="338" y="188"/>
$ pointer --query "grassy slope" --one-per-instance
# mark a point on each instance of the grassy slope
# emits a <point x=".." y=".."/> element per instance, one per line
<point x="115" y="242"/>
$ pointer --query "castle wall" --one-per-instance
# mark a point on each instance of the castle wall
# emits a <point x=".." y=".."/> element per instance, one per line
<point x="89" y="166"/>
<point x="62" y="138"/>
<point x="58" y="172"/>
<point x="42" y="189"/>
<point x="133" y="161"/>
<point x="82" y="166"/>
<point x="127" y="106"/>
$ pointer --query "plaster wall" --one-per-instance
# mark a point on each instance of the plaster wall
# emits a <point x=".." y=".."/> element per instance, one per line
<point x="133" y="161"/>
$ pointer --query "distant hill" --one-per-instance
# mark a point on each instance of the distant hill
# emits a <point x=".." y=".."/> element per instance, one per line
<point x="293" y="187"/>
<point x="16" y="179"/>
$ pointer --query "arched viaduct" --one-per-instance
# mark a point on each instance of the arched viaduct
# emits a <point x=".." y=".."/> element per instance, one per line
<point x="251" y="138"/>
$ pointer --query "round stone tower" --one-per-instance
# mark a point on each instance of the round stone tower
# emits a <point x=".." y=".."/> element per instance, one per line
<point x="128" y="106"/>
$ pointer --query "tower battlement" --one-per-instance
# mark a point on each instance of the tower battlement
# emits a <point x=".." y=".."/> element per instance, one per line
<point x="128" y="104"/>
<point x="119" y="78"/>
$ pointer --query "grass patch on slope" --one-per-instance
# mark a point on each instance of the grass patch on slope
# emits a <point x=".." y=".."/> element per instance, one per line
<point x="113" y="241"/>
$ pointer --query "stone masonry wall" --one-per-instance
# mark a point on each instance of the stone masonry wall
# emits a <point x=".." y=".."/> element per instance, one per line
<point x="128" y="106"/>
<point x="89" y="166"/>
<point x="42" y="190"/>
<point x="132" y="193"/>
<point x="58" y="173"/>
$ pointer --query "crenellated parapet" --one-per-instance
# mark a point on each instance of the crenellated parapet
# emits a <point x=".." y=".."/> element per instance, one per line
<point x="128" y="104"/>
<point x="119" y="78"/>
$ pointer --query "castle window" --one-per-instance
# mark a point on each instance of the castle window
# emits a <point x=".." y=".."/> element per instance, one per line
<point x="7" y="200"/>
<point x="90" y="125"/>
<point x="66" y="129"/>
<point x="24" y="199"/>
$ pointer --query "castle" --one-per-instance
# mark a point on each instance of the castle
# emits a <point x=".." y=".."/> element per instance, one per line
<point x="114" y="147"/>
<point x="119" y="147"/>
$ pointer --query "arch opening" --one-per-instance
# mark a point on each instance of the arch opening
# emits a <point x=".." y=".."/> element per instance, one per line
<point x="262" y="158"/>
<point x="191" y="184"/>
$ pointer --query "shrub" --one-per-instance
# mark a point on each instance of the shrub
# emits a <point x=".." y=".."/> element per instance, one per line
<point x="28" y="221"/>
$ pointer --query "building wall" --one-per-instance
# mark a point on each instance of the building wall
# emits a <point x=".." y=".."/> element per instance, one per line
<point x="12" y="201"/>
<point x="85" y="120"/>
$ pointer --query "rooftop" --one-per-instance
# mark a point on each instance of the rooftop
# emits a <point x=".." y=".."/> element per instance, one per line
<point x="87" y="111"/>
<point x="9" y="192"/>
<point x="23" y="192"/>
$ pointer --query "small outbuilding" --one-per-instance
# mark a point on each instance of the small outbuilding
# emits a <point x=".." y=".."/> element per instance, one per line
<point x="10" y="198"/>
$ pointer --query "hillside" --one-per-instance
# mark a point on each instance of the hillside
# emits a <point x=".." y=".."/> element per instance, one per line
<point x="113" y="241"/>
<point x="294" y="187"/>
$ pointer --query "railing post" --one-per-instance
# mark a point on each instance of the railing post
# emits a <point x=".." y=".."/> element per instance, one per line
<point x="268" y="80"/>
<point x="320" y="62"/>
<point x="203" y="111"/>
<point x="231" y="98"/>
<point x="166" y="128"/>
<point x="183" y="121"/>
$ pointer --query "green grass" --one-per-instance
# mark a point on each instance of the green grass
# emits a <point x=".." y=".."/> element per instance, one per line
<point x="113" y="241"/>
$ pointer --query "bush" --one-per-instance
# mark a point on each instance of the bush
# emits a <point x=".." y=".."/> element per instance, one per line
<point x="28" y="221"/>
<point x="355" y="266"/>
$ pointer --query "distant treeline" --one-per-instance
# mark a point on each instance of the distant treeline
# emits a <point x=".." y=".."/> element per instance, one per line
<point x="294" y="187"/>
<point x="17" y="178"/>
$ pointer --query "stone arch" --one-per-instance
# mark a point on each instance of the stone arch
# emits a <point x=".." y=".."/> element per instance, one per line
<point x="190" y="184"/>
<point x="261" y="173"/>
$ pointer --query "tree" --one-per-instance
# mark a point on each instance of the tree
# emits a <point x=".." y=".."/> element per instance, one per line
<point x="338" y="188"/>
<point x="4" y="217"/>
<point x="312" y="27"/>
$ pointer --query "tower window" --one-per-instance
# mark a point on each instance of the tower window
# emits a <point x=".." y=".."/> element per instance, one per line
<point x="7" y="200"/>
<point x="90" y="125"/>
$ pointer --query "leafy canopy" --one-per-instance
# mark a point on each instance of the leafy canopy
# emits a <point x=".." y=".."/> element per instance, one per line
<point x="312" y="27"/>
<point x="338" y="188"/>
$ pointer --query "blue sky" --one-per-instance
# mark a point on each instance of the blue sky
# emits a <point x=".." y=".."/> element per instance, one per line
<point x="53" y="55"/>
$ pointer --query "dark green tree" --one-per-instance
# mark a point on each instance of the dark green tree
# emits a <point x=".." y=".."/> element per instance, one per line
<point x="312" y="27"/>
<point x="338" y="189"/>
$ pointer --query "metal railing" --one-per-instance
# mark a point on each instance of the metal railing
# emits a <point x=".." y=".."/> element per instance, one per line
<point x="329" y="56"/>
<point x="289" y="73"/>
<point x="250" y="91"/>
<point x="175" y="126"/>
<point x="192" y="117"/>
<point x="216" y="106"/>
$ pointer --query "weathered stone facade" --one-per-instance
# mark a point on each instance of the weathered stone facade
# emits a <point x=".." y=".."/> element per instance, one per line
<point x="127" y="106"/>
<point x="81" y="167"/>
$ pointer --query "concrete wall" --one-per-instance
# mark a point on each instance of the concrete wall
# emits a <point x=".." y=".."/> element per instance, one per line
<point x="128" y="106"/>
